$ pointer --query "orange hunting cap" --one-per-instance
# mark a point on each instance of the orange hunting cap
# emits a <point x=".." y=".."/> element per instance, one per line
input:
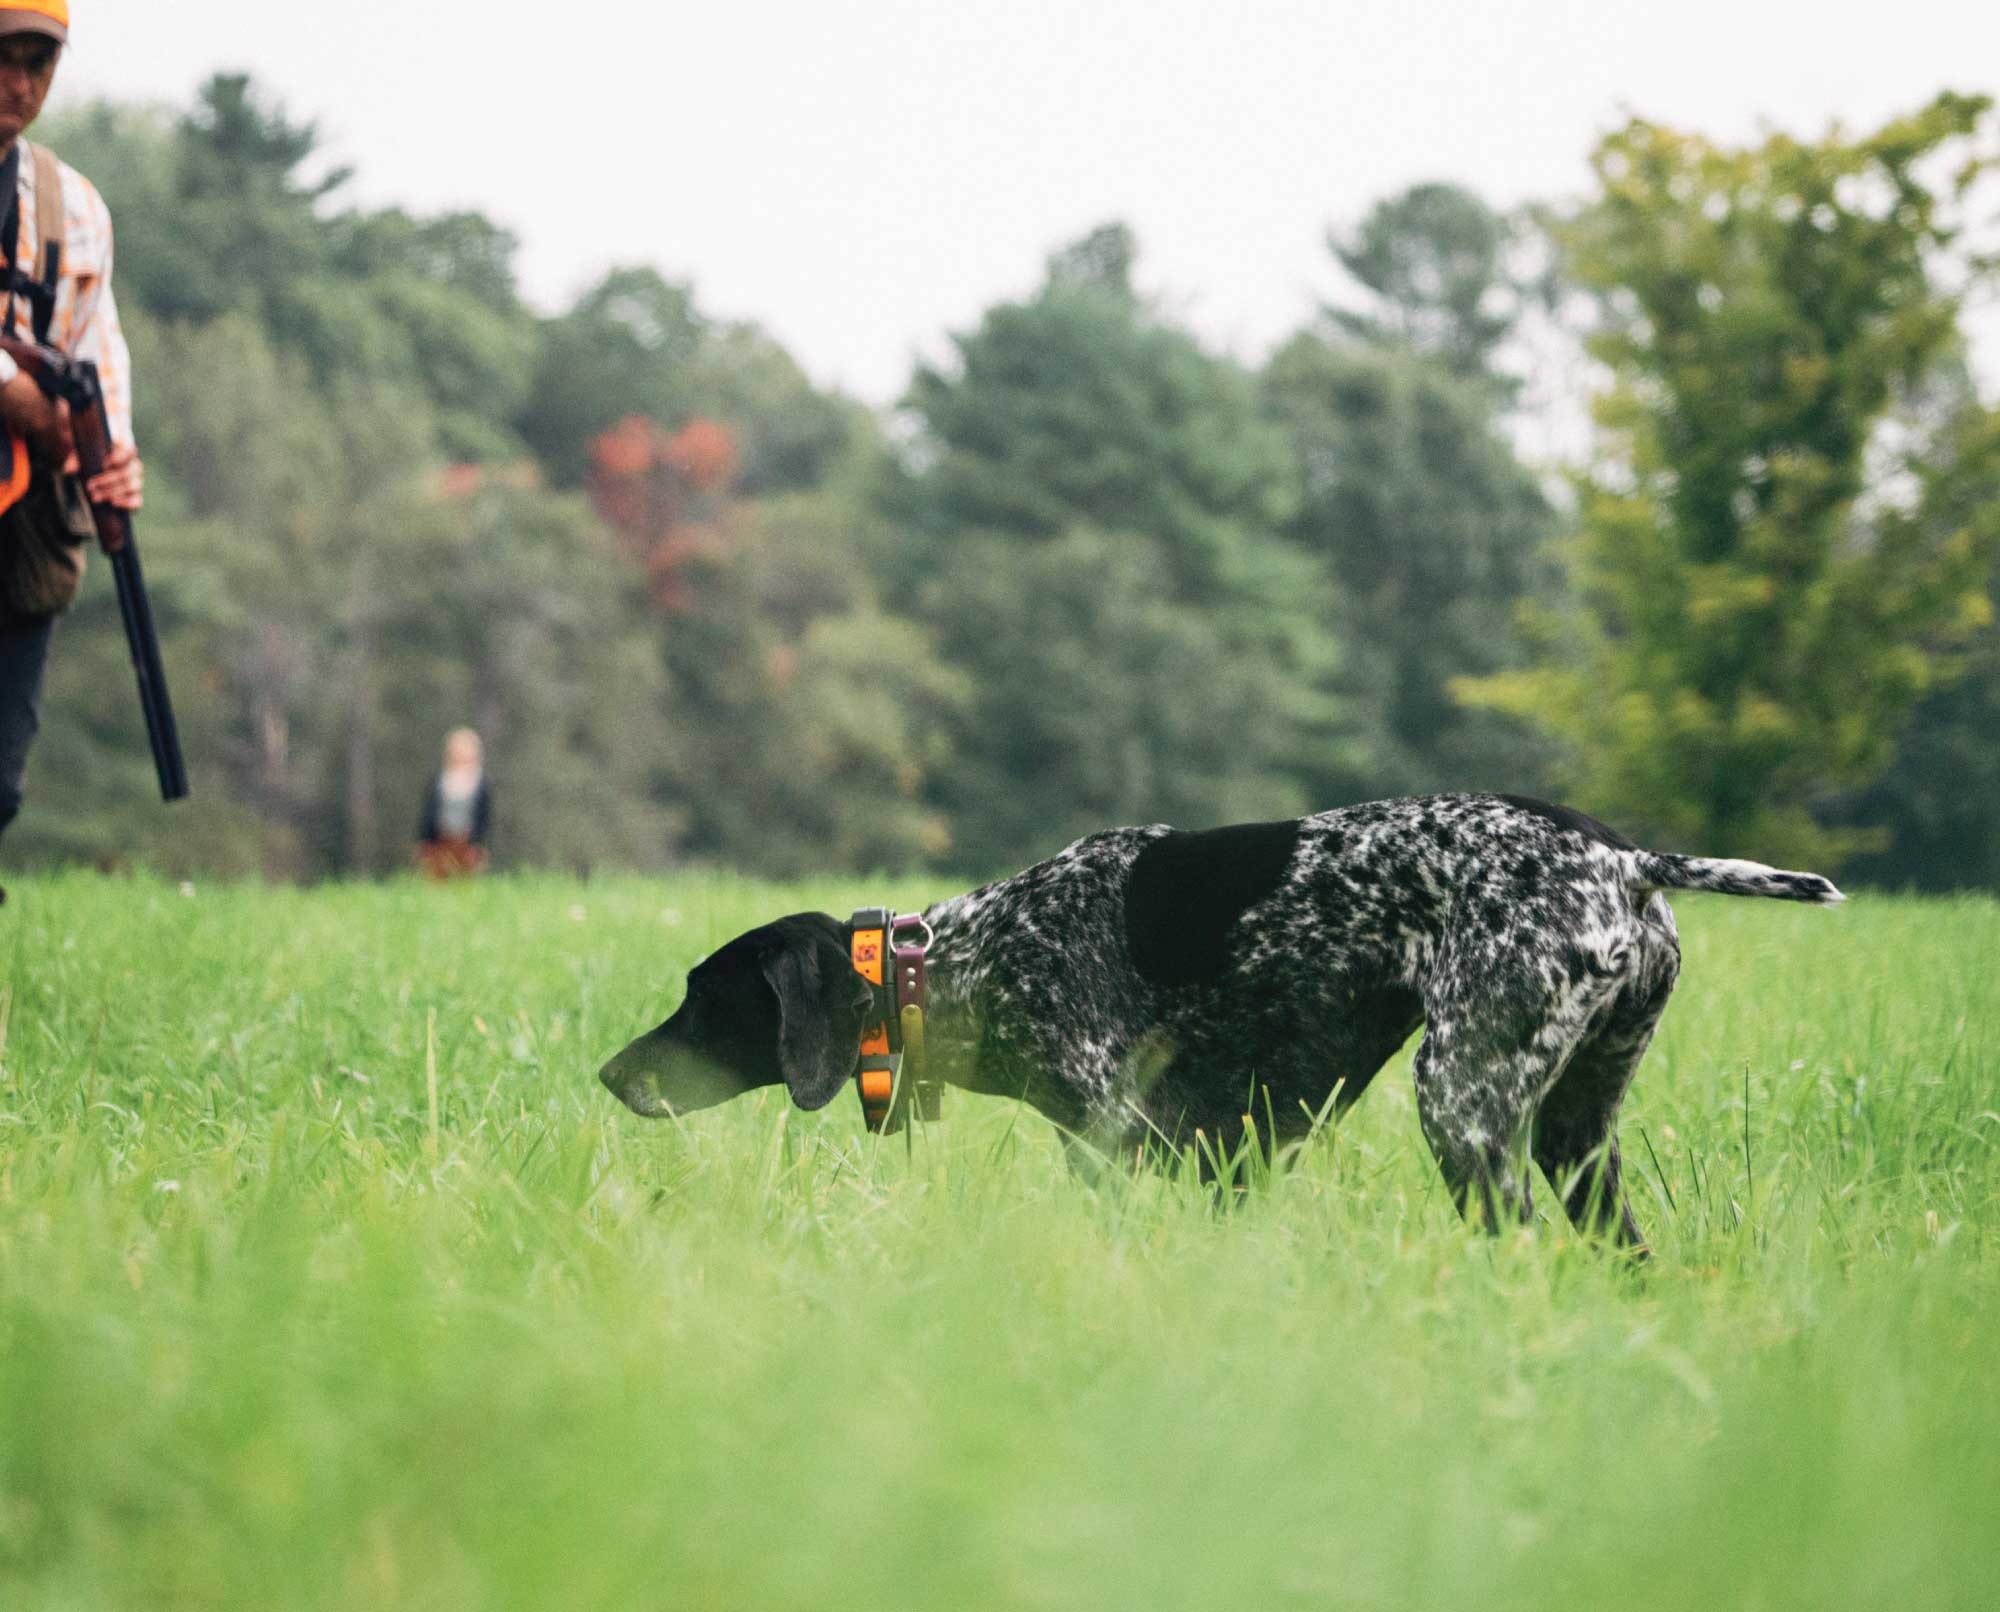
<point x="49" y="17"/>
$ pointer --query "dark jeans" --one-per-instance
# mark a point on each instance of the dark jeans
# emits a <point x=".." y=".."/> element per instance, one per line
<point x="24" y="652"/>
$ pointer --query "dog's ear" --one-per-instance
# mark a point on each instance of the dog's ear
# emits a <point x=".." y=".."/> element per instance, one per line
<point x="822" y="1007"/>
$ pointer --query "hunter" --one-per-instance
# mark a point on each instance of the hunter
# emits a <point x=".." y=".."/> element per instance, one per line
<point x="55" y="255"/>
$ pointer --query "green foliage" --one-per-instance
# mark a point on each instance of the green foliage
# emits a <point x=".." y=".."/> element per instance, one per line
<point x="224" y="214"/>
<point x="1101" y="699"/>
<point x="1095" y="505"/>
<point x="1434" y="534"/>
<point x="625" y="348"/>
<point x="1080" y="406"/>
<point x="636" y="344"/>
<point x="1434" y="259"/>
<point x="280" y="1328"/>
<point x="465" y="253"/>
<point x="794" y="437"/>
<point x="1934" y="813"/>
<point x="811" y="718"/>
<point x="1761" y="610"/>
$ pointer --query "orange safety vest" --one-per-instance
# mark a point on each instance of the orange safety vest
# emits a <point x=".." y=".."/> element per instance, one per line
<point x="46" y="239"/>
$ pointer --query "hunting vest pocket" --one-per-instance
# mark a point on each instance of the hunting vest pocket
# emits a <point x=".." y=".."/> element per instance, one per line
<point x="42" y="536"/>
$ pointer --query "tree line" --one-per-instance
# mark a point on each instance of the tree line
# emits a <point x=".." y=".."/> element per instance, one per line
<point x="1089" y="571"/>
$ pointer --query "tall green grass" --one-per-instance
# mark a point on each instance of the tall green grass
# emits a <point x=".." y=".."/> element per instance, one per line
<point x="329" y="1278"/>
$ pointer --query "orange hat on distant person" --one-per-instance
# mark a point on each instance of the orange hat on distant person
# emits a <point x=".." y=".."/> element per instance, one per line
<point x="49" y="17"/>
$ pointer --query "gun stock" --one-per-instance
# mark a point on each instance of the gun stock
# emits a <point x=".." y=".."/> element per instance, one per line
<point x="92" y="434"/>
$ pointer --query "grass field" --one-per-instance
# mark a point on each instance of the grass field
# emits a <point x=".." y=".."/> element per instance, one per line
<point x="329" y="1278"/>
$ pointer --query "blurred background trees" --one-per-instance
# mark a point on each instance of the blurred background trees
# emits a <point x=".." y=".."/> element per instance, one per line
<point x="1093" y="514"/>
<point x="1088" y="572"/>
<point x="1779" y="548"/>
<point x="1412" y="497"/>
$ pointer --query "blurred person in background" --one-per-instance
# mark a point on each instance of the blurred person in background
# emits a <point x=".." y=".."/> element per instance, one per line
<point x="43" y="201"/>
<point x="458" y="811"/>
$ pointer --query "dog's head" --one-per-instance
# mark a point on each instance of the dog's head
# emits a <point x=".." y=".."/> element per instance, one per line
<point x="779" y="1004"/>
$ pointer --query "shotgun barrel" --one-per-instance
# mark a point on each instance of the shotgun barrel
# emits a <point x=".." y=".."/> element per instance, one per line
<point x="137" y="610"/>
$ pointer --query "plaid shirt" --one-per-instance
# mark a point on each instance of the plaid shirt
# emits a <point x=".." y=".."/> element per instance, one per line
<point x="86" y="317"/>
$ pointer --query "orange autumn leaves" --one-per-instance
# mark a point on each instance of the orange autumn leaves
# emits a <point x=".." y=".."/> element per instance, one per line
<point x="666" y="495"/>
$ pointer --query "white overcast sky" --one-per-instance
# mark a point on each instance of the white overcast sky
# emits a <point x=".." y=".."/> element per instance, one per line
<point x="862" y="176"/>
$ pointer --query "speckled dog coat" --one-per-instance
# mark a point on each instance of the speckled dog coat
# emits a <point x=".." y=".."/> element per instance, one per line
<point x="1149" y="983"/>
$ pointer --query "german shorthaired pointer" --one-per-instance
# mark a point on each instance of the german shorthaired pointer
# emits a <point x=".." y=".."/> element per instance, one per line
<point x="1148" y="983"/>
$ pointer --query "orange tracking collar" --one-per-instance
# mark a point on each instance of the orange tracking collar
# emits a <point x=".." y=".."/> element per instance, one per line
<point x="889" y="953"/>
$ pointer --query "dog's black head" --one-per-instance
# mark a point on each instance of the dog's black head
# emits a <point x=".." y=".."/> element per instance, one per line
<point x="782" y="1003"/>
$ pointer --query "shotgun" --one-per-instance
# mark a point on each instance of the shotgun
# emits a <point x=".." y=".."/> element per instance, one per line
<point x="75" y="381"/>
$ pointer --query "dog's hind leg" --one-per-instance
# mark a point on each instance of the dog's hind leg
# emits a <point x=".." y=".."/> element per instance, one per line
<point x="1496" y="1038"/>
<point x="1474" y="1126"/>
<point x="1576" y="1129"/>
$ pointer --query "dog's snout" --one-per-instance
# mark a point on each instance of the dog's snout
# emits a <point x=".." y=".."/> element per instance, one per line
<point x="659" y="1075"/>
<point x="627" y="1078"/>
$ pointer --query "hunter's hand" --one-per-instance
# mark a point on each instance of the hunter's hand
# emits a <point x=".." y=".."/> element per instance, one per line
<point x="33" y="417"/>
<point x="122" y="482"/>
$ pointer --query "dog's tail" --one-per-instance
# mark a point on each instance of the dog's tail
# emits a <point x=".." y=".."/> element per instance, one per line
<point x="1727" y="876"/>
